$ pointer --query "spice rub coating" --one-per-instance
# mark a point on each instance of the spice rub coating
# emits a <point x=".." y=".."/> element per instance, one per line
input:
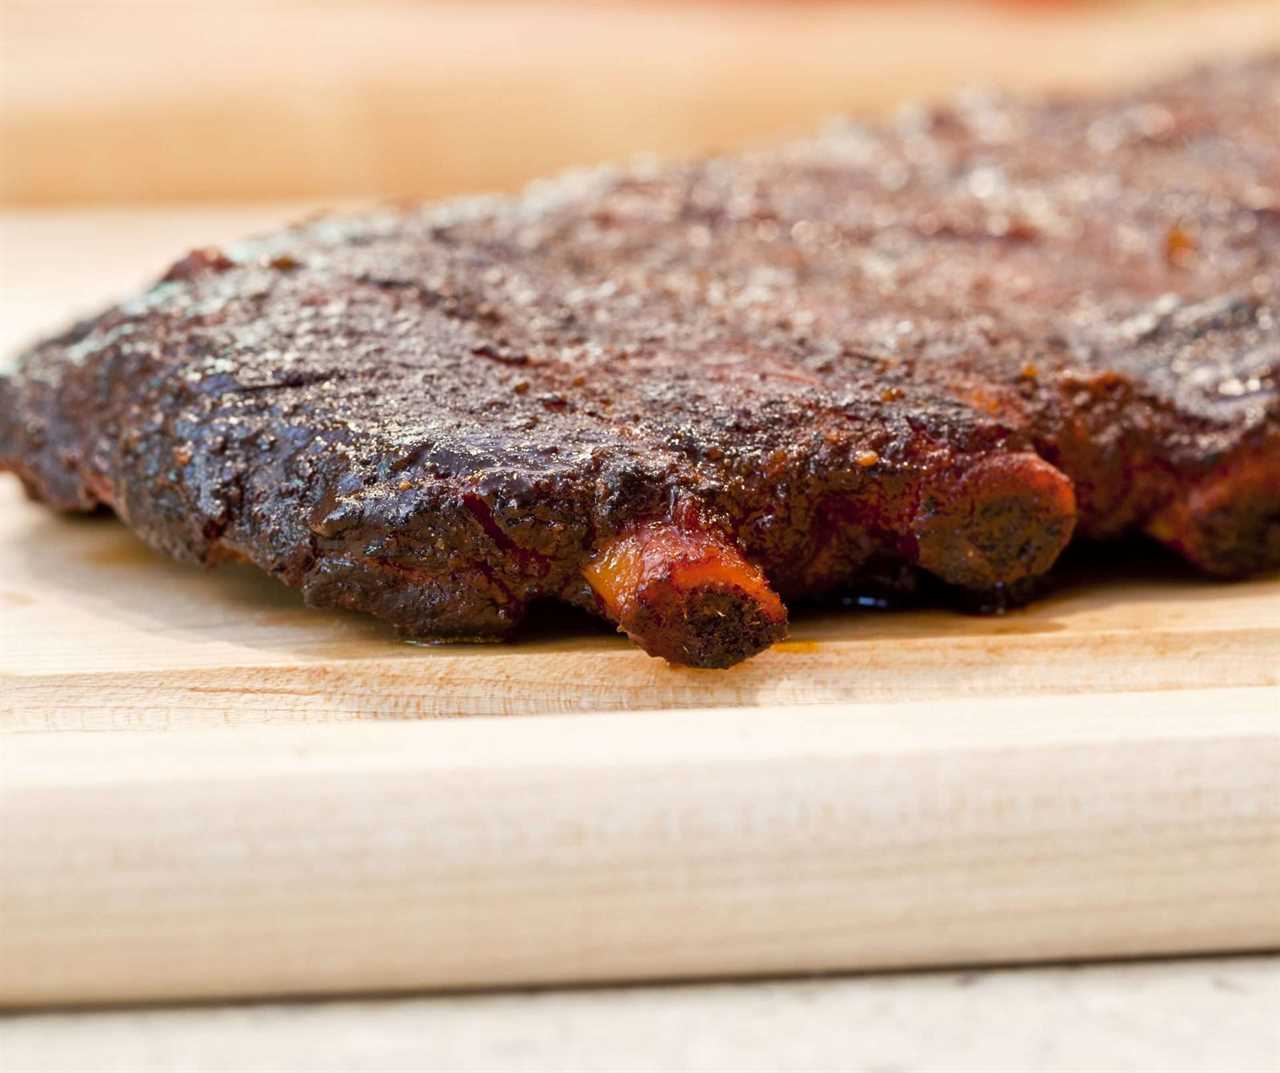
<point x="675" y="394"/>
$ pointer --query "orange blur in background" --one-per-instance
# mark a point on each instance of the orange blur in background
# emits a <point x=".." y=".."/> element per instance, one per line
<point x="111" y="102"/>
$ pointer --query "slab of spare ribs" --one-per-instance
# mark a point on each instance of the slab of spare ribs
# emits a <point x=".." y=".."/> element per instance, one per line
<point x="680" y="395"/>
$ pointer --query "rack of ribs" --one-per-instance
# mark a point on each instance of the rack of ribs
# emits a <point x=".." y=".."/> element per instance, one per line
<point x="680" y="395"/>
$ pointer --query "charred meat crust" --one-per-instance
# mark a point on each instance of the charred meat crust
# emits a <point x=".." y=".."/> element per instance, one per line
<point x="948" y="344"/>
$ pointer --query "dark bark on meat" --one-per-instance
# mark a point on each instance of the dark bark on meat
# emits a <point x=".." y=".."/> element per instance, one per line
<point x="944" y="345"/>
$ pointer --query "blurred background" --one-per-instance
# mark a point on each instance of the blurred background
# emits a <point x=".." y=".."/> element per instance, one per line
<point x="130" y="130"/>
<point x="107" y="101"/>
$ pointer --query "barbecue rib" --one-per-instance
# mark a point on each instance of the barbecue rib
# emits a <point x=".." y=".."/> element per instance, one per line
<point x="677" y="395"/>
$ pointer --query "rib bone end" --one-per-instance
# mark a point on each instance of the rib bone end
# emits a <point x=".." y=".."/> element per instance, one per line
<point x="686" y="595"/>
<point x="1007" y="518"/>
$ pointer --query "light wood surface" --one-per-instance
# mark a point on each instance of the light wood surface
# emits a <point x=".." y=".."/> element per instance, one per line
<point x="1094" y="776"/>
<point x="135" y="102"/>
<point x="663" y="844"/>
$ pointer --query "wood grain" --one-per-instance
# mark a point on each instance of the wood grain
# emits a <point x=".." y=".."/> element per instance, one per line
<point x="290" y="860"/>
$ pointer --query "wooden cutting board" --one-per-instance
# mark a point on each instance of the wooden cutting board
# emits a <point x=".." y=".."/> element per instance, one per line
<point x="207" y="790"/>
